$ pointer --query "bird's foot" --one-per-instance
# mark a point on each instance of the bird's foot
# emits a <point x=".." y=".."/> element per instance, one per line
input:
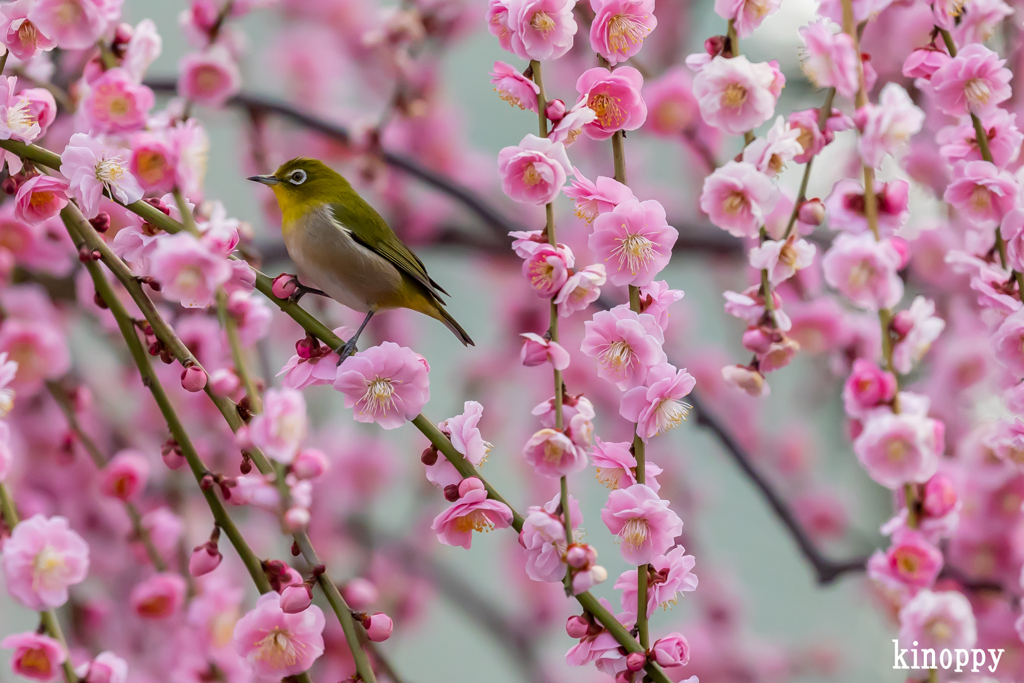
<point x="346" y="350"/>
<point x="288" y="287"/>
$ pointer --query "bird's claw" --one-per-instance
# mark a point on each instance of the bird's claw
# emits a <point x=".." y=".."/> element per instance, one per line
<point x="346" y="350"/>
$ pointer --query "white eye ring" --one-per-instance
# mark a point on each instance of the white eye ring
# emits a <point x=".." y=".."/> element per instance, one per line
<point x="297" y="177"/>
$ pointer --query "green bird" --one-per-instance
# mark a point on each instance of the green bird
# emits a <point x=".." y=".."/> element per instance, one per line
<point x="347" y="250"/>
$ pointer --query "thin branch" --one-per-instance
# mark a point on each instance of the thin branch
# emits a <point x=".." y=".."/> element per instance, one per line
<point x="63" y="401"/>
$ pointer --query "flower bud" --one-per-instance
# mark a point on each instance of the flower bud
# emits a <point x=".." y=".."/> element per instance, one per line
<point x="757" y="340"/>
<point x="295" y="599"/>
<point x="101" y="223"/>
<point x="580" y="556"/>
<point x="359" y="593"/>
<point x="939" y="496"/>
<point x="577" y="627"/>
<point x="470" y="484"/>
<point x="378" y="627"/>
<point x="555" y="111"/>
<point x="714" y="45"/>
<point x="193" y="378"/>
<point x="451" y="493"/>
<point x="224" y="382"/>
<point x="585" y="580"/>
<point x="812" y="212"/>
<point x="205" y="558"/>
<point x="903" y="249"/>
<point x="429" y="456"/>
<point x="10" y="185"/>
<point x="902" y="323"/>
<point x="173" y="458"/>
<point x="284" y="286"/>
<point x="635" y="661"/>
<point x="296" y="519"/>
<point x="309" y="464"/>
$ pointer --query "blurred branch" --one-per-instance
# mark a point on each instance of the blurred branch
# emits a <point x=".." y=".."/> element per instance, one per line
<point x="521" y="647"/>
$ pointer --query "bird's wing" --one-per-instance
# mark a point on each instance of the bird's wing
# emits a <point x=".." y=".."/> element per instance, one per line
<point x="377" y="236"/>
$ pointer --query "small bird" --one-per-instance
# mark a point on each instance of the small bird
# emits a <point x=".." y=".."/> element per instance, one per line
<point x="347" y="250"/>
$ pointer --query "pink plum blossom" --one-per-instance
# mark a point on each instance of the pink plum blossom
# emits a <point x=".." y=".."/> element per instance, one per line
<point x="917" y="327"/>
<point x="209" y="77"/>
<point x="537" y="351"/>
<point x="277" y="644"/>
<point x="616" y="466"/>
<point x="547" y="268"/>
<point x="41" y="559"/>
<point x="813" y="139"/>
<point x="159" y="597"/>
<point x="912" y="560"/>
<point x="746" y="379"/>
<point x="973" y="82"/>
<point x="982" y="192"/>
<point x="924" y="61"/>
<point x="673" y="574"/>
<point x="42" y="107"/>
<point x="615" y="97"/>
<point x="938" y="620"/>
<point x="91" y="168"/>
<point x="624" y="344"/>
<point x="597" y="197"/>
<point x="867" y="387"/>
<point x="497" y="22"/>
<point x="581" y="289"/>
<point x="960" y="142"/>
<point x="864" y="270"/>
<point x="737" y="197"/>
<point x="386" y="384"/>
<point x="17" y="120"/>
<point x="553" y="454"/>
<point x="513" y="87"/>
<point x="619" y="27"/>
<point x="782" y="259"/>
<point x="571" y="125"/>
<point x="746" y="15"/>
<point x="70" y="24"/>
<point x="39" y="198"/>
<point x="1012" y="230"/>
<point x="845" y="206"/>
<point x="829" y="58"/>
<point x="473" y="511"/>
<point x="899" y="448"/>
<point x="143" y="48"/>
<point x="106" y="667"/>
<point x="1008" y="343"/>
<point x="658" y="407"/>
<point x="464" y="432"/>
<point x="153" y="162"/>
<point x="115" y="103"/>
<point x="735" y="95"/>
<point x="771" y="153"/>
<point x="644" y="523"/>
<point x="35" y="656"/>
<point x="886" y="126"/>
<point x="749" y="307"/>
<point x="281" y="427"/>
<point x="187" y="270"/>
<point x="670" y="651"/>
<point x="543" y="538"/>
<point x="635" y="240"/>
<point x="540" y="29"/>
<point x="655" y="299"/>
<point x="534" y="171"/>
<point x="19" y="34"/>
<point x="672" y="107"/>
<point x="124" y="477"/>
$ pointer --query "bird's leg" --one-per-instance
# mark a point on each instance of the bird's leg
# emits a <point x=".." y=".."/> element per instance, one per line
<point x="302" y="290"/>
<point x="349" y="347"/>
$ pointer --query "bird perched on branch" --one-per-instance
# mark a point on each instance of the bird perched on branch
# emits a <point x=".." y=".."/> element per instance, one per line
<point x="347" y="250"/>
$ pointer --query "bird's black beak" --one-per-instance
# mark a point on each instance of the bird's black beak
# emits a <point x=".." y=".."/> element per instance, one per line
<point x="265" y="179"/>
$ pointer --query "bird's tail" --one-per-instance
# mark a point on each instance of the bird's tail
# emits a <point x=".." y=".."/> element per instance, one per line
<point x="450" y="322"/>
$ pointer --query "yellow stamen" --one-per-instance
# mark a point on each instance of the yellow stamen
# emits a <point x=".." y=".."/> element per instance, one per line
<point x="635" y="252"/>
<point x="625" y="31"/>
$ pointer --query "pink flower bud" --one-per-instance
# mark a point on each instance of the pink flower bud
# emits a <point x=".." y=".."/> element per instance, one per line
<point x="939" y="496"/>
<point x="635" y="661"/>
<point x="295" y="599"/>
<point x="310" y="463"/>
<point x="124" y="477"/>
<point x="224" y="382"/>
<point x="451" y="493"/>
<point x="902" y="323"/>
<point x="812" y="212"/>
<point x="555" y="111"/>
<point x="378" y="627"/>
<point x="193" y="378"/>
<point x="471" y="484"/>
<point x="205" y="558"/>
<point x="584" y="581"/>
<point x="714" y="45"/>
<point x="284" y="286"/>
<point x="360" y="593"/>
<point x="757" y="340"/>
<point x="173" y="459"/>
<point x="296" y="519"/>
<point x="580" y="556"/>
<point x="672" y="650"/>
<point x="577" y="627"/>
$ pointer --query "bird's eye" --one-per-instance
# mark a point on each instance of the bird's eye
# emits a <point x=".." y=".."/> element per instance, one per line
<point x="297" y="177"/>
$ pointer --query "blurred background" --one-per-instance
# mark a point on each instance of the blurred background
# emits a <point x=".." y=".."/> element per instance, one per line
<point x="759" y="613"/>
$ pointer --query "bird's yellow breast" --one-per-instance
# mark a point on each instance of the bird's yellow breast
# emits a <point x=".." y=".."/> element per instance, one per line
<point x="293" y="208"/>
